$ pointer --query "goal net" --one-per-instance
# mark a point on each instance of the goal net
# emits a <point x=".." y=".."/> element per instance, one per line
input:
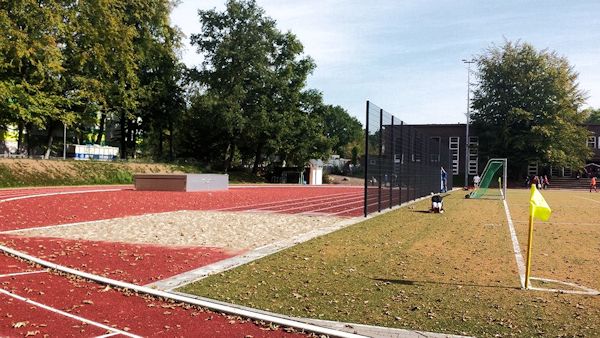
<point x="493" y="180"/>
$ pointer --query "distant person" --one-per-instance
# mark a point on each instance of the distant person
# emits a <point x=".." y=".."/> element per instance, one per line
<point x="476" y="180"/>
<point x="444" y="176"/>
<point x="546" y="182"/>
<point x="593" y="184"/>
<point x="437" y="204"/>
<point x="535" y="180"/>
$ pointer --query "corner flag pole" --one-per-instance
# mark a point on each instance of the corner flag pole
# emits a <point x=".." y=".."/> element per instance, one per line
<point x="538" y="208"/>
<point x="529" y="246"/>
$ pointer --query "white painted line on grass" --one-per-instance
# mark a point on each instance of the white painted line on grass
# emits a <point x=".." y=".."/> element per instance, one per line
<point x="588" y="199"/>
<point x="66" y="314"/>
<point x="521" y="265"/>
<point x="56" y="193"/>
<point x="203" y="303"/>
<point x="585" y="290"/>
<point x="22" y="273"/>
<point x="516" y="247"/>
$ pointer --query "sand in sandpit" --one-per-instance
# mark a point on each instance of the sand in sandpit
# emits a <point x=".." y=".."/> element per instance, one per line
<point x="233" y="230"/>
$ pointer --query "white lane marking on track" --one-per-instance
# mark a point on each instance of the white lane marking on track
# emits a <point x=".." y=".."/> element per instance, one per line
<point x="516" y="247"/>
<point x="273" y="318"/>
<point x="66" y="314"/>
<point x="312" y="205"/>
<point x="258" y="205"/>
<point x="22" y="273"/>
<point x="108" y="335"/>
<point x="56" y="193"/>
<point x="307" y="202"/>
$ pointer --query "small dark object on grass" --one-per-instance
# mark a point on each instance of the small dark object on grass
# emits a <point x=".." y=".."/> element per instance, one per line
<point x="437" y="204"/>
<point x="468" y="196"/>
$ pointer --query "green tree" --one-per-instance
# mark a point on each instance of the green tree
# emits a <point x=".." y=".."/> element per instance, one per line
<point x="32" y="81"/>
<point x="592" y="115"/>
<point x="526" y="108"/>
<point x="256" y="72"/>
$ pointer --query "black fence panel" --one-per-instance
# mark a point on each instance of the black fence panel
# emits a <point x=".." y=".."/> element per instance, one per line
<point x="401" y="163"/>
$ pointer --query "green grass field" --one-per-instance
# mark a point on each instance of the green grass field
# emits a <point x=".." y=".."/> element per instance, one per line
<point x="452" y="273"/>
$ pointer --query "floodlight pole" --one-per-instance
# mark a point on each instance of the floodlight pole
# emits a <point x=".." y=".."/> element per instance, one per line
<point x="467" y="140"/>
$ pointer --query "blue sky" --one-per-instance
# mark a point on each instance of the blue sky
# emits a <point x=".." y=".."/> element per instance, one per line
<point x="405" y="56"/>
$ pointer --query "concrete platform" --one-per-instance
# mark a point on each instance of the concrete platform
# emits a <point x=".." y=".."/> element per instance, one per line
<point x="181" y="182"/>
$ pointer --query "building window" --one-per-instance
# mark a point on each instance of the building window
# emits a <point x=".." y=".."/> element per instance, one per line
<point x="591" y="142"/>
<point x="454" y="152"/>
<point x="473" y="155"/>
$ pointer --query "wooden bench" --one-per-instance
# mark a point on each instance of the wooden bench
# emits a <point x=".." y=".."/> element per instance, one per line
<point x="181" y="182"/>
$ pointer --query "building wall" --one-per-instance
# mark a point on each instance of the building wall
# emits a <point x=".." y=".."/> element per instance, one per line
<point x="595" y="145"/>
<point x="448" y="131"/>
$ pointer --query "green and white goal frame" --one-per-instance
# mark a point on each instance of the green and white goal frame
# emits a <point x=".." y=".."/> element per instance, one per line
<point x="491" y="170"/>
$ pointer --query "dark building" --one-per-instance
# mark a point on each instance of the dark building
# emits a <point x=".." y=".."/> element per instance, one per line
<point x="454" y="136"/>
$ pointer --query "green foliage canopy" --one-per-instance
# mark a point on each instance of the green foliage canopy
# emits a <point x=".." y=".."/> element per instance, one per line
<point x="251" y="103"/>
<point x="527" y="108"/>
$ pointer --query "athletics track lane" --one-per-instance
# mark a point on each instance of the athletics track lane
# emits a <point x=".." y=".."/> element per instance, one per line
<point x="133" y="263"/>
<point x="62" y="209"/>
<point x="84" y="255"/>
<point x="122" y="310"/>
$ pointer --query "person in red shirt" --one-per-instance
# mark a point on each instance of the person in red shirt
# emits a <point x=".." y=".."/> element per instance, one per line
<point x="593" y="184"/>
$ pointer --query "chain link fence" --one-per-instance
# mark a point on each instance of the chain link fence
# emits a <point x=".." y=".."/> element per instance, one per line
<point x="401" y="163"/>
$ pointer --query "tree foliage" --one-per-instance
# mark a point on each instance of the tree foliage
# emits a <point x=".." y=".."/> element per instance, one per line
<point x="109" y="71"/>
<point x="592" y="115"/>
<point x="527" y="108"/>
<point x="252" y="105"/>
<point x="68" y="62"/>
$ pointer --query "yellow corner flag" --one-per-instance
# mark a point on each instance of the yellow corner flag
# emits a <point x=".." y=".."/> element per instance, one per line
<point x="538" y="207"/>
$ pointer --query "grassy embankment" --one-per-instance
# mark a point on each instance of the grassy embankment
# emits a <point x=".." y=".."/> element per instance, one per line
<point x="452" y="273"/>
<point x="27" y="173"/>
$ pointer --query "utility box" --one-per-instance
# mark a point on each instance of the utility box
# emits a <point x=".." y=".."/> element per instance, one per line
<point x="315" y="175"/>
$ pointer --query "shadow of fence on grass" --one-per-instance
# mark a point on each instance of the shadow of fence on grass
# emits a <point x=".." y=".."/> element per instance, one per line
<point x="422" y="283"/>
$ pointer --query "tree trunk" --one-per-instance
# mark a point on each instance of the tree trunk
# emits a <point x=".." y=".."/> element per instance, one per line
<point x="160" y="141"/>
<point x="20" y="137"/>
<point x="28" y="138"/>
<point x="257" y="158"/>
<point x="49" y="139"/>
<point x="101" y="130"/>
<point x="133" y="137"/>
<point x="171" y="140"/>
<point x="123" y="136"/>
<point x="229" y="153"/>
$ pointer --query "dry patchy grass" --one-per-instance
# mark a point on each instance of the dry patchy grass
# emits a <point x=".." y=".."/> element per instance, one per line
<point x="452" y="273"/>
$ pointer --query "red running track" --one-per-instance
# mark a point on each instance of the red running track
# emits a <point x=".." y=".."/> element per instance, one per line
<point x="62" y="209"/>
<point x="139" y="264"/>
<point x="133" y="263"/>
<point x="127" y="312"/>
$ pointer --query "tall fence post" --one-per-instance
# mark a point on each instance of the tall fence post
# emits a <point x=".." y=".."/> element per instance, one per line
<point x="380" y="162"/>
<point x="400" y="177"/>
<point x="392" y="164"/>
<point x="366" y="159"/>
